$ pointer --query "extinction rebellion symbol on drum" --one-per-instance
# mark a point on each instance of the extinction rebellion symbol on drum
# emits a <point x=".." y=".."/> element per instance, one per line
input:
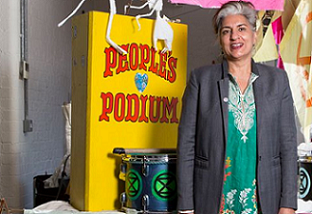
<point x="305" y="183"/>
<point x="133" y="184"/>
<point x="164" y="186"/>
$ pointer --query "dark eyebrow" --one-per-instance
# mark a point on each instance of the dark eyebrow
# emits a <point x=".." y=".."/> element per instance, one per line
<point x="239" y="25"/>
<point x="225" y="27"/>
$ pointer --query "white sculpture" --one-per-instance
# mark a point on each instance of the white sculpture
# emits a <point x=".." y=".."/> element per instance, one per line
<point x="112" y="4"/>
<point x="162" y="30"/>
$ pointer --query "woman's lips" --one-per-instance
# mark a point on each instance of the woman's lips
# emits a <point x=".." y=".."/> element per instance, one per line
<point x="236" y="45"/>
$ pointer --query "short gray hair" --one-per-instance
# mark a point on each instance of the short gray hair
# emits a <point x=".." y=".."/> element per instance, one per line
<point x="246" y="9"/>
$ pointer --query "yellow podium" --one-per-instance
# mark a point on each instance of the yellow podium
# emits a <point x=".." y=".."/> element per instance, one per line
<point x="130" y="101"/>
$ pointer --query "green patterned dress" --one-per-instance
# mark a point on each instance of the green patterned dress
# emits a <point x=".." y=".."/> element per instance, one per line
<point x="239" y="190"/>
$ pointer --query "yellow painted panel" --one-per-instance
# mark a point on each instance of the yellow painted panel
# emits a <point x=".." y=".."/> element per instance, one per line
<point x="79" y="111"/>
<point x="119" y="111"/>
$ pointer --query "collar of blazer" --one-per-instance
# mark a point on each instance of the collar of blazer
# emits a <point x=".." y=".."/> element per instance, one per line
<point x="225" y="68"/>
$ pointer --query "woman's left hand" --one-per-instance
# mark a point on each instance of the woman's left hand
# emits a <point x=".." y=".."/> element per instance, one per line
<point x="286" y="211"/>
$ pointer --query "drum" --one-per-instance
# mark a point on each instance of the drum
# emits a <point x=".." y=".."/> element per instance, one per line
<point x="305" y="173"/>
<point x="150" y="182"/>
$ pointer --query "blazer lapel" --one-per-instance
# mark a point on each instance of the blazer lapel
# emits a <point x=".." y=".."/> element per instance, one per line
<point x="224" y="96"/>
<point x="259" y="102"/>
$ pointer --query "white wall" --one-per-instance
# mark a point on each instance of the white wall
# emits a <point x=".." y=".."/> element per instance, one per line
<point x="23" y="156"/>
<point x="10" y="102"/>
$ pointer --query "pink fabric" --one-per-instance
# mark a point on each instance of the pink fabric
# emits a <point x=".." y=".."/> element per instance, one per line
<point x="259" y="4"/>
<point x="278" y="33"/>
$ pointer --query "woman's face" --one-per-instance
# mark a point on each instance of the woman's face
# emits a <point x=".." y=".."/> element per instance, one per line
<point x="237" y="38"/>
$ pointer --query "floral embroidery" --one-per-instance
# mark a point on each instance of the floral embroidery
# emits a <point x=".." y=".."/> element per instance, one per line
<point x="227" y="175"/>
<point x="239" y="189"/>
<point x="247" y="211"/>
<point x="227" y="165"/>
<point x="230" y="198"/>
<point x="228" y="162"/>
<point x="222" y="204"/>
<point x="254" y="196"/>
<point x="243" y="108"/>
<point x="228" y="212"/>
<point x="243" y="197"/>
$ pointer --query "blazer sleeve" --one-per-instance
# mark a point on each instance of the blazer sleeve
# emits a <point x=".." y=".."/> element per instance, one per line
<point x="186" y="145"/>
<point x="288" y="150"/>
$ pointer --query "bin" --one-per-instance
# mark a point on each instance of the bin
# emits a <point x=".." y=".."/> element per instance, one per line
<point x="43" y="195"/>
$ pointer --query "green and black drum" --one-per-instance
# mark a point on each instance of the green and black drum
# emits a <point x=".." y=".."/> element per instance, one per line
<point x="305" y="174"/>
<point x="150" y="182"/>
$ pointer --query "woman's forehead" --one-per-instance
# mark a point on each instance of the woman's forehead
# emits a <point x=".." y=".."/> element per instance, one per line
<point x="234" y="21"/>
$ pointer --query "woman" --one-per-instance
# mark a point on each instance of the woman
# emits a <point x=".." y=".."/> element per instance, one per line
<point x="237" y="135"/>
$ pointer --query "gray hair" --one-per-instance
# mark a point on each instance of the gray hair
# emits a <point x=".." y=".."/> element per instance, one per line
<point x="246" y="9"/>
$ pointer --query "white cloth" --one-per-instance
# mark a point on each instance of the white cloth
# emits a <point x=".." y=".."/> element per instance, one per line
<point x="61" y="207"/>
<point x="64" y="166"/>
<point x="305" y="149"/>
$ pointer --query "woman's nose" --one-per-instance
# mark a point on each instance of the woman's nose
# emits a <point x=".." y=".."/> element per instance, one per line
<point x="234" y="35"/>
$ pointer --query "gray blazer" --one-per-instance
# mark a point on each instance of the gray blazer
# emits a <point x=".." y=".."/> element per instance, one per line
<point x="203" y="135"/>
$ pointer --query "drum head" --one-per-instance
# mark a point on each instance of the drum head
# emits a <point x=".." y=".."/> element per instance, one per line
<point x="149" y="158"/>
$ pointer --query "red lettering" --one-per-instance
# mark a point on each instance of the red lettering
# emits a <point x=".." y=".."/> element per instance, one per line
<point x="154" y="66"/>
<point x="134" y="56"/>
<point x="145" y="56"/>
<point x="143" y="109"/>
<point x="171" y="74"/>
<point x="123" y="61"/>
<point x="111" y="61"/>
<point x="169" y="107"/>
<point x="152" y="103"/>
<point x="162" y="65"/>
<point x="119" y="112"/>
<point x="139" y="57"/>
<point x="133" y="99"/>
<point x="106" y="109"/>
<point x="160" y="108"/>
